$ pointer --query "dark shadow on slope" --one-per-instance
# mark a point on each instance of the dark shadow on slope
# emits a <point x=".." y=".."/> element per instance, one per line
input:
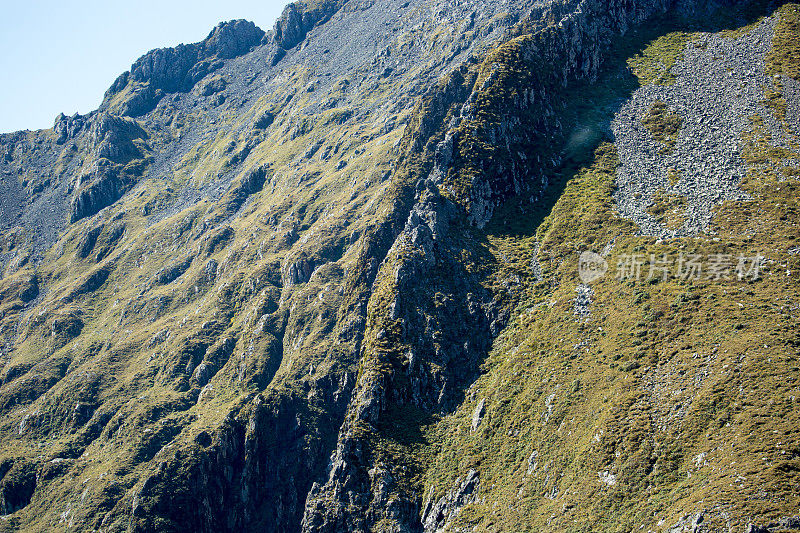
<point x="588" y="108"/>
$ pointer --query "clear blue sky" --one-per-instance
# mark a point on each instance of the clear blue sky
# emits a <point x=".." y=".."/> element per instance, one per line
<point x="61" y="56"/>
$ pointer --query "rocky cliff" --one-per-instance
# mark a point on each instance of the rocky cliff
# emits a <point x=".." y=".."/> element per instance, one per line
<point x="327" y="277"/>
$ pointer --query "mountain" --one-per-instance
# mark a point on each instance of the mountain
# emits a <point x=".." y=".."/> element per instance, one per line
<point x="415" y="266"/>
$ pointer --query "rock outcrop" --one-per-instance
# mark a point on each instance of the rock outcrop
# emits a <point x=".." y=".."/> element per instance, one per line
<point x="327" y="278"/>
<point x="169" y="70"/>
<point x="301" y="17"/>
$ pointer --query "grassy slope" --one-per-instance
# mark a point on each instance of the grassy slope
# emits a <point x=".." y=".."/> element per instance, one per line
<point x="129" y="348"/>
<point x="685" y="391"/>
<point x="607" y="386"/>
<point x="141" y="339"/>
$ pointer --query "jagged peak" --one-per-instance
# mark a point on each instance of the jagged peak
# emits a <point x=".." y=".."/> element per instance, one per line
<point x="177" y="69"/>
<point x="299" y="18"/>
<point x="232" y="38"/>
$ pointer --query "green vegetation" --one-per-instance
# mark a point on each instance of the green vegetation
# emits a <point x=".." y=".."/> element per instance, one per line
<point x="671" y="413"/>
<point x="167" y="329"/>
<point x="162" y="348"/>
<point x="664" y="125"/>
<point x="784" y="58"/>
<point x="669" y="210"/>
<point x="545" y="443"/>
<point x="653" y="66"/>
<point x="673" y="177"/>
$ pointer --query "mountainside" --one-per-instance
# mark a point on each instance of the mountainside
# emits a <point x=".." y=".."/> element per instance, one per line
<point x="415" y="266"/>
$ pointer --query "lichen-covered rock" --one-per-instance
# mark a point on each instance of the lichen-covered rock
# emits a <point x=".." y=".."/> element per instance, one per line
<point x="118" y="158"/>
<point x="113" y="138"/>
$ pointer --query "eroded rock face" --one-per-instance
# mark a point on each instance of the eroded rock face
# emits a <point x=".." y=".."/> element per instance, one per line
<point x="169" y="70"/>
<point x="269" y="286"/>
<point x="101" y="189"/>
<point x="435" y="374"/>
<point x="297" y="272"/>
<point x="68" y="127"/>
<point x="232" y="39"/>
<point x="119" y="157"/>
<point x="300" y="18"/>
<point x="114" y="138"/>
<point x="436" y="515"/>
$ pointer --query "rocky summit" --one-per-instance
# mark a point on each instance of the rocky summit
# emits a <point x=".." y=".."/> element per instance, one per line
<point x="415" y="266"/>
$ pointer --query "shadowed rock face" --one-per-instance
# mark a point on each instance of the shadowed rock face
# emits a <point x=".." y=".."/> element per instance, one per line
<point x="321" y="278"/>
<point x="169" y="70"/>
<point x="300" y="18"/>
<point x="119" y="157"/>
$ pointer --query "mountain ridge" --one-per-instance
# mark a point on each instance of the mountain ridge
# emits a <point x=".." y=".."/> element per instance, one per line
<point x="329" y="283"/>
